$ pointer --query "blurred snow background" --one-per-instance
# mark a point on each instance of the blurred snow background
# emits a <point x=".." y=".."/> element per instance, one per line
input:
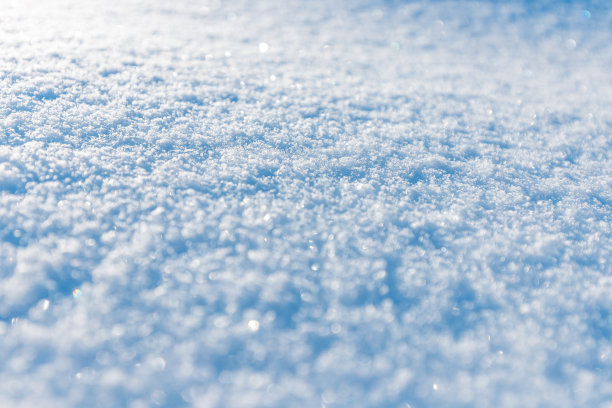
<point x="305" y="204"/>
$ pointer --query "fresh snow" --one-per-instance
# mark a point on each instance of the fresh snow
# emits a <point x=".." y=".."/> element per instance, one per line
<point x="305" y="203"/>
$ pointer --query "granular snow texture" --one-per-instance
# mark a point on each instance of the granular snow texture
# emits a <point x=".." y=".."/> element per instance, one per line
<point x="305" y="204"/>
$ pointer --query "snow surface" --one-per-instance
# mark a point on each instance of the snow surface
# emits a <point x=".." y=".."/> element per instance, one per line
<point x="305" y="204"/>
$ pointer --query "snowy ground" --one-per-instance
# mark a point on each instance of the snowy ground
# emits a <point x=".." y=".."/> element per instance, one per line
<point x="305" y="204"/>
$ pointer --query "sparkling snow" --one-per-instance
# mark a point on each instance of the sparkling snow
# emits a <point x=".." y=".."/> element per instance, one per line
<point x="305" y="203"/>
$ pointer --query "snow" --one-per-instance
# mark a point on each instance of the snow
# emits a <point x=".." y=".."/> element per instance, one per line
<point x="287" y="204"/>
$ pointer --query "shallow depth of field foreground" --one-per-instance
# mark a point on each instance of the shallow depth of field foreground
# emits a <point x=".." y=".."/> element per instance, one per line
<point x="305" y="204"/>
